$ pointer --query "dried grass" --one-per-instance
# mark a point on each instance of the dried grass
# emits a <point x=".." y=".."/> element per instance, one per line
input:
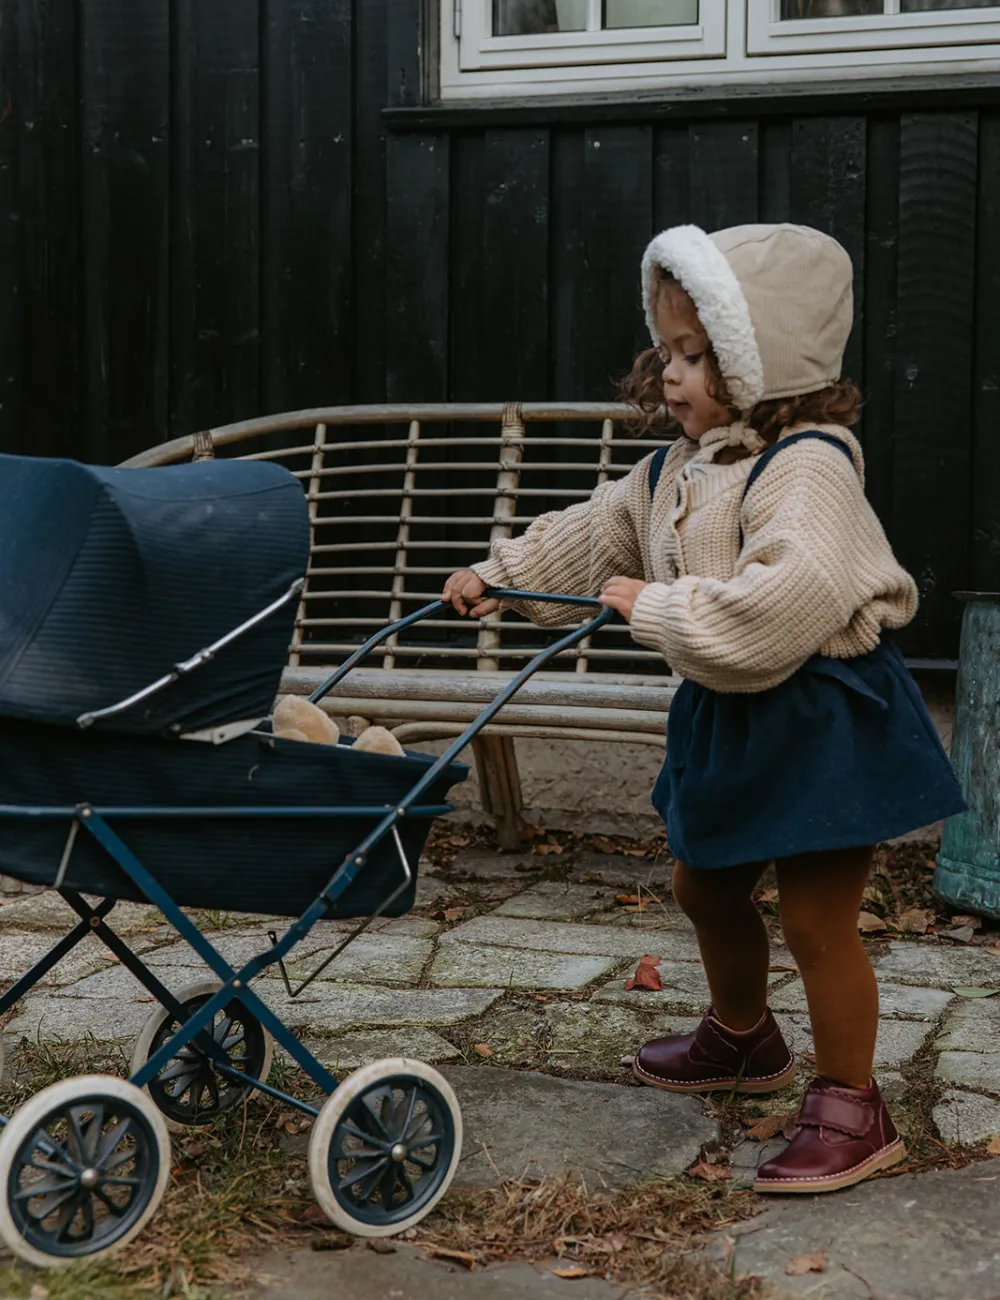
<point x="644" y="1236"/>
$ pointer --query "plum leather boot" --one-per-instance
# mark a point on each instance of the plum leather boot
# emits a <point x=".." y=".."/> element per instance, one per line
<point x="717" y="1059"/>
<point x="844" y="1135"/>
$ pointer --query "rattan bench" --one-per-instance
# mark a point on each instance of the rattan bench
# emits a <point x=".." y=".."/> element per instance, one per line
<point x="400" y="496"/>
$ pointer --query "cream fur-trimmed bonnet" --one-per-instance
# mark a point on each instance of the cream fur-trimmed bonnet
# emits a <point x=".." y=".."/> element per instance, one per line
<point x="776" y="301"/>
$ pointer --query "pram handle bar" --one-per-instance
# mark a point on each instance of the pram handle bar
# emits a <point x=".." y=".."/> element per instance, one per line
<point x="196" y="661"/>
<point x="439" y="606"/>
<point x="352" y="864"/>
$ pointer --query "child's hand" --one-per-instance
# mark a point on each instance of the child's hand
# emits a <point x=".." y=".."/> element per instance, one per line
<point x="621" y="594"/>
<point x="467" y="586"/>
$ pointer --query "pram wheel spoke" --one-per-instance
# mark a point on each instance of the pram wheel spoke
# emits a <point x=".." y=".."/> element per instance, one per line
<point x="374" y="1170"/>
<point x="189" y="1090"/>
<point x="53" y="1207"/>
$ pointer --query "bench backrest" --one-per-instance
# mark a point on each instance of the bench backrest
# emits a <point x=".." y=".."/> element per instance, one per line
<point x="400" y="496"/>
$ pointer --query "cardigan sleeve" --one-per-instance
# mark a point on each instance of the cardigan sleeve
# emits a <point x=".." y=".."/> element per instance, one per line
<point x="574" y="550"/>
<point x="814" y="554"/>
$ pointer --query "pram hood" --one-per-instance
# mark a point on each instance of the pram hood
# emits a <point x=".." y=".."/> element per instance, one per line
<point x="109" y="577"/>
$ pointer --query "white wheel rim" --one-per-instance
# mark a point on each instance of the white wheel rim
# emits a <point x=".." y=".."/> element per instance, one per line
<point x="334" y="1111"/>
<point x="158" y="1018"/>
<point x="25" y="1123"/>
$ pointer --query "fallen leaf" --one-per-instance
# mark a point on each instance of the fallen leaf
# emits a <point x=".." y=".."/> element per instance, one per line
<point x="39" y="1292"/>
<point x="570" y="1271"/>
<point x="334" y="1241"/>
<point x="380" y="1246"/>
<point x="646" y="975"/>
<point x="959" y="934"/>
<point x="617" y="1241"/>
<point x="482" y="1049"/>
<point x="770" y="1126"/>
<point x="975" y="921"/>
<point x="460" y="1256"/>
<point x="628" y="900"/>
<point x="145" y="999"/>
<point x="964" y="991"/>
<point x="453" y="913"/>
<point x="993" y="1146"/>
<point x="709" y="1173"/>
<point x="543" y="850"/>
<point x="786" y="970"/>
<point x="815" y="1262"/>
<point x="993" y="949"/>
<point x="767" y="896"/>
<point x="594" y="878"/>
<point x="915" y="920"/>
<point x="869" y="923"/>
<point x="604" y="845"/>
<point x="634" y="853"/>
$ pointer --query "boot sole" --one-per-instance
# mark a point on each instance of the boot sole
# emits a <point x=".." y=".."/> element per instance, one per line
<point x="723" y="1085"/>
<point x="892" y="1155"/>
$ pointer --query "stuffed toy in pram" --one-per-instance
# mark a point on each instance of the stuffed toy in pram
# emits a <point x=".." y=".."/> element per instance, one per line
<point x="145" y="617"/>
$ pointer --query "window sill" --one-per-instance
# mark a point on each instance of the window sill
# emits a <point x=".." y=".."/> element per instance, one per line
<point x="682" y="103"/>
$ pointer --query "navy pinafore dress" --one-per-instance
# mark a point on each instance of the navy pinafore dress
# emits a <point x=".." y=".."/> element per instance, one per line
<point x="842" y="754"/>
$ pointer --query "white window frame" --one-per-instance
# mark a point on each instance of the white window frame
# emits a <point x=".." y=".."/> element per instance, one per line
<point x="756" y="49"/>
<point x="768" y="33"/>
<point x="480" y="50"/>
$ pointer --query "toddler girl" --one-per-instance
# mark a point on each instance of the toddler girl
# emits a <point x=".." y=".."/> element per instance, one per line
<point x="750" y="558"/>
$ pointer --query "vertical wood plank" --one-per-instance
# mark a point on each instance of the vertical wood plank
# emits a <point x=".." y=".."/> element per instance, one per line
<point x="671" y="177"/>
<point x="724" y="174"/>
<point x="566" y="260"/>
<point x="775" y="169"/>
<point x="932" y="463"/>
<point x="879" y="325"/>
<point x="11" y="436"/>
<point x="125" y="90"/>
<point x="307" y="276"/>
<point x="49" y="182"/>
<point x="617" y="220"/>
<point x="417" y="241"/>
<point x="369" y="177"/>
<point x="499" y="277"/>
<point x="827" y="191"/>
<point x="215" y="198"/>
<point x="403" y="21"/>
<point x="986" y="377"/>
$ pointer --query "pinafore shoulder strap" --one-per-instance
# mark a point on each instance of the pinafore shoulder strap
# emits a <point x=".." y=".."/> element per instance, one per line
<point x="765" y="457"/>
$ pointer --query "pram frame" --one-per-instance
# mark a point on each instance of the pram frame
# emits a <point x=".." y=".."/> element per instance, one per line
<point x="193" y="1024"/>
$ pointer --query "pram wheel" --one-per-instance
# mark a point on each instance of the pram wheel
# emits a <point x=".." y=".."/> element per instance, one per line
<point x="83" y="1167"/>
<point x="385" y="1147"/>
<point x="188" y="1090"/>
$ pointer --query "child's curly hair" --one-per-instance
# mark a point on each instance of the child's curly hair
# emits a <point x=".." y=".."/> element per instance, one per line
<point x="642" y="388"/>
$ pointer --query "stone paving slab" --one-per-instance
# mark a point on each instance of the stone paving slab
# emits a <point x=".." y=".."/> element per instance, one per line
<point x="684" y="985"/>
<point x="897" y="1041"/>
<point x="967" y="1118"/>
<point x="405" y="1274"/>
<point x="560" y="936"/>
<point x="532" y="1125"/>
<point x="471" y="965"/>
<point x="978" y="1070"/>
<point x="48" y="911"/>
<point x="895" y="1000"/>
<point x="971" y="1024"/>
<point x="929" y="1236"/>
<point x="946" y="968"/>
<point x="19" y="952"/>
<point x="332" y="1006"/>
<point x="585" y="1036"/>
<point x="553" y="900"/>
<point x="351" y="1051"/>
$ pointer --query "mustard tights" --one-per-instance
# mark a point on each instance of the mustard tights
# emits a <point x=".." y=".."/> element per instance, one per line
<point x="819" y="896"/>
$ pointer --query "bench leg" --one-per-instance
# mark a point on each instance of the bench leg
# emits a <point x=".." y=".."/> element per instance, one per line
<point x="500" y="787"/>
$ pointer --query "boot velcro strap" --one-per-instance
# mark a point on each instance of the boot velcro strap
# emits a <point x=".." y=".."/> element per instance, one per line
<point x="835" y="1110"/>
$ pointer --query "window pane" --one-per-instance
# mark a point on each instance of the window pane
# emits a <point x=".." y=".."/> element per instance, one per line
<point x="923" y="6"/>
<point x="650" y="13"/>
<point x="829" y="8"/>
<point x="538" y="17"/>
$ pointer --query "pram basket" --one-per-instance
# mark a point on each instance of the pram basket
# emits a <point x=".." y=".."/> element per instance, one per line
<point x="275" y="826"/>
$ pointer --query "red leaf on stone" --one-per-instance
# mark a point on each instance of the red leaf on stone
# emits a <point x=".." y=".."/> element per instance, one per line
<point x="646" y="975"/>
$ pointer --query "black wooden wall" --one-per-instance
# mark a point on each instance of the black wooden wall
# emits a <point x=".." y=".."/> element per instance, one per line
<point x="210" y="211"/>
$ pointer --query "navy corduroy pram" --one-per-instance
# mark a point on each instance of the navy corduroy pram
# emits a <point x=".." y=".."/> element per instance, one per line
<point x="110" y="577"/>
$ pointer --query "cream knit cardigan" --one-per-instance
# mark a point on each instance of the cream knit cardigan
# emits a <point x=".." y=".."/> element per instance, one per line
<point x="815" y="574"/>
